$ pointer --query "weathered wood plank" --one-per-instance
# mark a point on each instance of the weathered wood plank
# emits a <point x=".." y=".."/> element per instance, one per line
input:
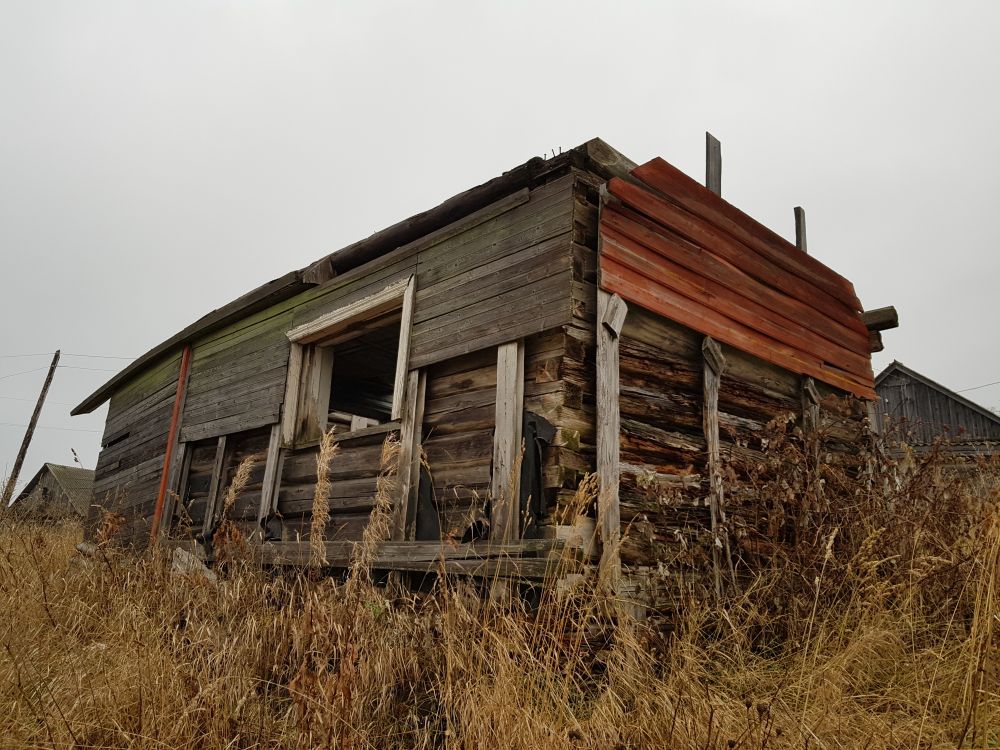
<point x="507" y="441"/>
<point x="608" y="439"/>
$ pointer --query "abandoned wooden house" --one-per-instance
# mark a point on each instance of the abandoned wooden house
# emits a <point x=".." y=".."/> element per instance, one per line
<point x="578" y="314"/>
<point x="57" y="492"/>
<point x="916" y="410"/>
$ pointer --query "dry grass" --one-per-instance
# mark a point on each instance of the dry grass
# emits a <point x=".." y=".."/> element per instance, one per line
<point x="869" y="635"/>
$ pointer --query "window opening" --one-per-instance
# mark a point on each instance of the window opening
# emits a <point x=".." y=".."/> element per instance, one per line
<point x="363" y="375"/>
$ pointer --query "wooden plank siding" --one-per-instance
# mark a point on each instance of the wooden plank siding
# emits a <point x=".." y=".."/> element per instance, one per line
<point x="673" y="247"/>
<point x="474" y="276"/>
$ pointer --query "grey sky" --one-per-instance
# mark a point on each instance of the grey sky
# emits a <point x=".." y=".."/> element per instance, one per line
<point x="157" y="159"/>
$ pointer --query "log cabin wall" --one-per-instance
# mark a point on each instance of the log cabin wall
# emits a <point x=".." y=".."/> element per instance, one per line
<point x="726" y="324"/>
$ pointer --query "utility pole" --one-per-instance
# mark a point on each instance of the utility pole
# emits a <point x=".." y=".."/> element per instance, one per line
<point x="9" y="489"/>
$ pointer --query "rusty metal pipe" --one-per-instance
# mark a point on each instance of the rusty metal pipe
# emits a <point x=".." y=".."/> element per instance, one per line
<point x="175" y="418"/>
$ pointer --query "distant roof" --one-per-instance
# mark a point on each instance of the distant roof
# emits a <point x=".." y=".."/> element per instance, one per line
<point x="897" y="366"/>
<point x="595" y="154"/>
<point x="76" y="482"/>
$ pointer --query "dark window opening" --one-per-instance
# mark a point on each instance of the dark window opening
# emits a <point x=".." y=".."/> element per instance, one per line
<point x="363" y="375"/>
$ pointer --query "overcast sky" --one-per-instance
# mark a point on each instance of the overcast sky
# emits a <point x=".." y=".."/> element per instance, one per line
<point x="158" y="159"/>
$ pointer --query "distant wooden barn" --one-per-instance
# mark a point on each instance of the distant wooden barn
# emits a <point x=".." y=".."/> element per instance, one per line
<point x="57" y="492"/>
<point x="607" y="317"/>
<point x="915" y="409"/>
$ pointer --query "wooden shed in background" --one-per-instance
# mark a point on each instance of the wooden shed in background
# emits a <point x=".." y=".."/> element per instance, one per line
<point x="57" y="492"/>
<point x="917" y="410"/>
<point x="603" y="316"/>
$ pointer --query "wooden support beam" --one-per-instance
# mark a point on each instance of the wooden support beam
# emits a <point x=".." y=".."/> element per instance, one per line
<point x="272" y="474"/>
<point x="875" y="341"/>
<point x="611" y="311"/>
<point x="408" y="477"/>
<point x="810" y="404"/>
<point x="507" y="442"/>
<point x="800" y="229"/>
<point x="178" y="471"/>
<point x="614" y="315"/>
<point x="399" y="395"/>
<point x="212" y="501"/>
<point x="714" y="366"/>
<point x="880" y="319"/>
<point x="713" y="164"/>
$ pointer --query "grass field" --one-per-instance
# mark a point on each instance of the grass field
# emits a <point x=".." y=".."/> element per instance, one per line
<point x="880" y="631"/>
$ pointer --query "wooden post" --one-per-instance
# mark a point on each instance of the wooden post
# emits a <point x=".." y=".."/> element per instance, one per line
<point x="713" y="164"/>
<point x="272" y="474"/>
<point x="800" y="229"/>
<point x="810" y="404"/>
<point x="714" y="365"/>
<point x="611" y="312"/>
<point x="215" y="486"/>
<point x="507" y="442"/>
<point x="408" y="473"/>
<point x="23" y="450"/>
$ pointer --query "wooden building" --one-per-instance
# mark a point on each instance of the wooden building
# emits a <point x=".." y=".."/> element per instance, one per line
<point x="57" y="492"/>
<point x="607" y="317"/>
<point x="915" y="409"/>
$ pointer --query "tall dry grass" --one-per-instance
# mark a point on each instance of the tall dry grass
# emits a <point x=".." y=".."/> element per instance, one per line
<point x="866" y="634"/>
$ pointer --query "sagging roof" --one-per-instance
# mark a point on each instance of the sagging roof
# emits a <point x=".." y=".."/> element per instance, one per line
<point x="595" y="155"/>
<point x="76" y="482"/>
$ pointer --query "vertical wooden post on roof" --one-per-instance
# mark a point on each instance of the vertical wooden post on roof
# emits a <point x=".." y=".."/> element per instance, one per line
<point x="714" y="366"/>
<point x="800" y="229"/>
<point x="713" y="164"/>
<point x="408" y="472"/>
<point x="507" y="442"/>
<point x="611" y="312"/>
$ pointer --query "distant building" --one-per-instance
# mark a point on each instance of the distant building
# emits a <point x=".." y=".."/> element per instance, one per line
<point x="919" y="411"/>
<point x="57" y="492"/>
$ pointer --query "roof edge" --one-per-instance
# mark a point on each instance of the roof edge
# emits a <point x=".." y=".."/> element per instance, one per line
<point x="594" y="154"/>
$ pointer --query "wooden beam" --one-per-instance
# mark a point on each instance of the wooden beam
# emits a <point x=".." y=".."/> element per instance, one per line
<point x="614" y="315"/>
<point x="215" y="486"/>
<point x="178" y="471"/>
<point x="272" y="474"/>
<point x="293" y="382"/>
<point x="507" y="442"/>
<point x="408" y="478"/>
<point x="173" y="438"/>
<point x="608" y="437"/>
<point x="403" y="354"/>
<point x="714" y="366"/>
<point x="875" y="341"/>
<point x="713" y="164"/>
<point x="810" y="404"/>
<point x="800" y="229"/>
<point x="880" y="319"/>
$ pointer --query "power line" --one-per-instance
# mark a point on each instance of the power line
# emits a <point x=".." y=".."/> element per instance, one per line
<point x="49" y="354"/>
<point x="977" y="387"/>
<point x="23" y="372"/>
<point x="61" y="367"/>
<point x="43" y="427"/>
<point x="31" y="400"/>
